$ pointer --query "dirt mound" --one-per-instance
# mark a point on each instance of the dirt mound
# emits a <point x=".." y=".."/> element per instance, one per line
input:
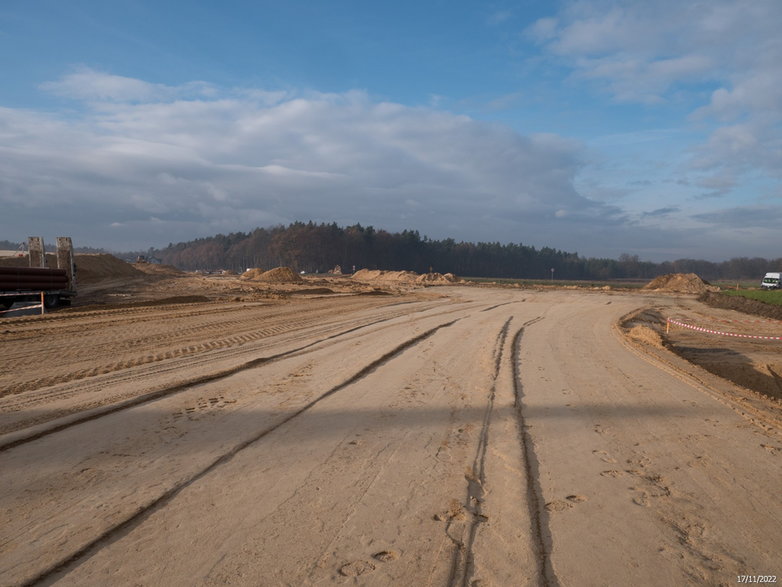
<point x="404" y="277"/>
<point x="102" y="266"/>
<point x="437" y="278"/>
<point x="276" y="275"/>
<point x="373" y="276"/>
<point x="16" y="262"/>
<point x="157" y="269"/>
<point x="647" y="335"/>
<point x="741" y="304"/>
<point x="253" y="273"/>
<point x="681" y="283"/>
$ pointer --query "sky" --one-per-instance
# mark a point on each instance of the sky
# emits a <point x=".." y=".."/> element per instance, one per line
<point x="602" y="127"/>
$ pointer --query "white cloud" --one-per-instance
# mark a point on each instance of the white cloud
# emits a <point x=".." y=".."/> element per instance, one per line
<point x="135" y="173"/>
<point x="680" y="50"/>
<point x="238" y="159"/>
<point x="85" y="83"/>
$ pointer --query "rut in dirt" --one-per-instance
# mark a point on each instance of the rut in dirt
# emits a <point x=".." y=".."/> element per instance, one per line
<point x="96" y="413"/>
<point x="174" y="389"/>
<point x="62" y="567"/>
<point x="463" y="564"/>
<point x="535" y="501"/>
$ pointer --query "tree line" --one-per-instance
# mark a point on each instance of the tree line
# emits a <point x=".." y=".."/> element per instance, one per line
<point x="320" y="247"/>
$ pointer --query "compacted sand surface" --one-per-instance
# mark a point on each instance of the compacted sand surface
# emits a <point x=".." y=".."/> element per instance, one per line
<point x="453" y="437"/>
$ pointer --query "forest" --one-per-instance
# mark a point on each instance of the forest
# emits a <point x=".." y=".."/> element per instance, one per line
<point x="318" y="248"/>
<point x="312" y="248"/>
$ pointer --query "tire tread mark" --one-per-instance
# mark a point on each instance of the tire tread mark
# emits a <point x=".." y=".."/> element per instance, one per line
<point x="535" y="502"/>
<point x="142" y="513"/>
<point x="179" y="387"/>
<point x="475" y="494"/>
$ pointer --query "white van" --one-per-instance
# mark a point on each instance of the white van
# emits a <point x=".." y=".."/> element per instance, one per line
<point x="771" y="281"/>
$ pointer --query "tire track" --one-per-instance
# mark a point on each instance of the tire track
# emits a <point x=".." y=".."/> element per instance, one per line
<point x="70" y="388"/>
<point x="185" y="385"/>
<point x="58" y="569"/>
<point x="65" y="390"/>
<point x="156" y="352"/>
<point x="463" y="564"/>
<point x="500" y="305"/>
<point x="535" y="501"/>
<point x="153" y="357"/>
<point x="152" y="345"/>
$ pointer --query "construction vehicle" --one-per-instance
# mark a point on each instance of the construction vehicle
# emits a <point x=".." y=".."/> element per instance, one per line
<point x="51" y="287"/>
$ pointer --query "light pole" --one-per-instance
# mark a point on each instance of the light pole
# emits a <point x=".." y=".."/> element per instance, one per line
<point x="552" y="274"/>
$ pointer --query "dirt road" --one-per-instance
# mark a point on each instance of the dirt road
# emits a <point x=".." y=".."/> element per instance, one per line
<point x="502" y="436"/>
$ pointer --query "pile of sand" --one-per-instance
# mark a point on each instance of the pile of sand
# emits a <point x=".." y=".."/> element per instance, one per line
<point x="681" y="283"/>
<point x="437" y="279"/>
<point x="404" y="277"/>
<point x="378" y="276"/>
<point x="89" y="268"/>
<point x="647" y="335"/>
<point x="157" y="269"/>
<point x="16" y="262"/>
<point x="277" y="275"/>
<point x="101" y="266"/>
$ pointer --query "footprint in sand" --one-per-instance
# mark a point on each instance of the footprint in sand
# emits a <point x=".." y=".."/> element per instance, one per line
<point x="612" y="473"/>
<point x="356" y="568"/>
<point x="385" y="556"/>
<point x="576" y="498"/>
<point x="642" y="499"/>
<point x="559" y="505"/>
<point x="604" y="456"/>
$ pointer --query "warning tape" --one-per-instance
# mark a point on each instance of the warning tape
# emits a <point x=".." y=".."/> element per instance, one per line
<point x="699" y="329"/>
<point x="770" y="321"/>
<point x="39" y="305"/>
<point x="22" y="308"/>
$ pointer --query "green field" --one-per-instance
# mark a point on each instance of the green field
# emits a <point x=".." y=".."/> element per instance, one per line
<point x="773" y="296"/>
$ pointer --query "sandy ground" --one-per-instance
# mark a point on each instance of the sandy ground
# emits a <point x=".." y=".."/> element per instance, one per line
<point x="442" y="436"/>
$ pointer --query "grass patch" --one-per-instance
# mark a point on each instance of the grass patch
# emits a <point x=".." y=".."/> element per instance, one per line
<point x="773" y="296"/>
<point x="726" y="284"/>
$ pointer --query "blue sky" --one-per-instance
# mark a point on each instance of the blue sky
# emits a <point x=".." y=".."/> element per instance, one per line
<point x="600" y="127"/>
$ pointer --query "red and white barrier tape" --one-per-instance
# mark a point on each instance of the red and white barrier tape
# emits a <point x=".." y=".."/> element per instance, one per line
<point x="699" y="329"/>
<point x="21" y="308"/>
<point x="767" y="321"/>
<point x="39" y="305"/>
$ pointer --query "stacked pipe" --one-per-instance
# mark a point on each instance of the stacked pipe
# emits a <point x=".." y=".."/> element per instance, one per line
<point x="30" y="278"/>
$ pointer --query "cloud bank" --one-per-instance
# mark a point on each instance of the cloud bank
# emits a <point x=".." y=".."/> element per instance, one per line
<point x="135" y="164"/>
<point x="146" y="162"/>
